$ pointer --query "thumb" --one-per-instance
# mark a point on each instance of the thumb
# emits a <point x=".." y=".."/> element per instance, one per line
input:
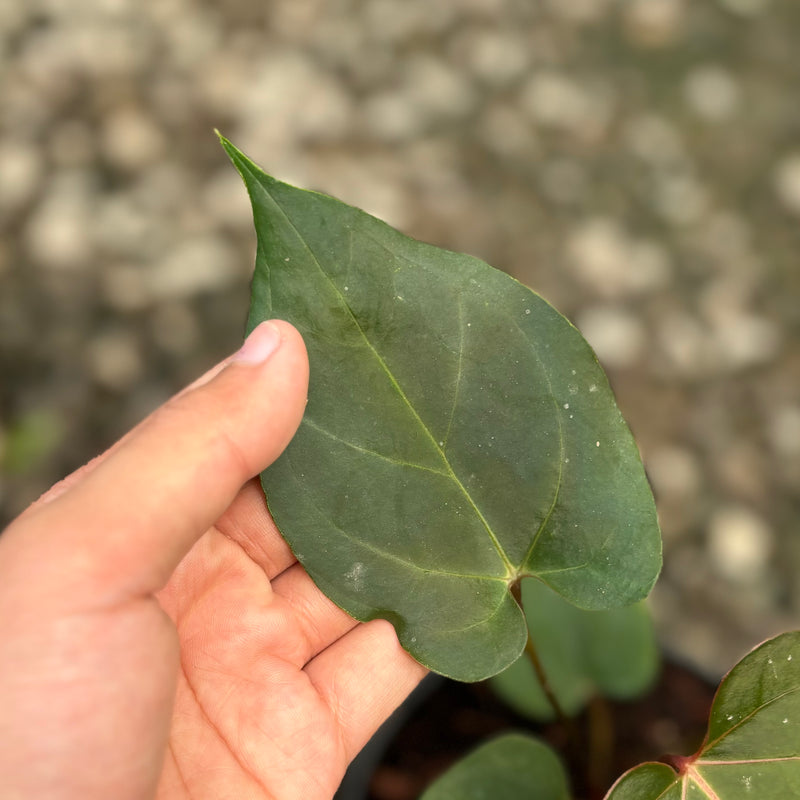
<point x="123" y="528"/>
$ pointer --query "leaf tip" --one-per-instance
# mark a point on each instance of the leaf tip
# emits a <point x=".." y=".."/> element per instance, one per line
<point x="232" y="151"/>
<point x="246" y="167"/>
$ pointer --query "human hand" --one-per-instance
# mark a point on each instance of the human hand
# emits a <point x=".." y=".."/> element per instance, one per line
<point x="158" y="637"/>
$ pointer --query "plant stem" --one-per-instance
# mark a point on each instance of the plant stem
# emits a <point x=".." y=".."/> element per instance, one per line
<point x="533" y="657"/>
<point x="600" y="748"/>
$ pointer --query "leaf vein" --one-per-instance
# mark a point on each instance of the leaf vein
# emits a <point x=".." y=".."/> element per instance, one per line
<point x="573" y="568"/>
<point x="480" y="622"/>
<point x="709" y="745"/>
<point x="559" y="423"/>
<point x="702" y="784"/>
<point x="457" y="388"/>
<point x="512" y="571"/>
<point x="561" y="448"/>
<point x="378" y="551"/>
<point x="366" y="451"/>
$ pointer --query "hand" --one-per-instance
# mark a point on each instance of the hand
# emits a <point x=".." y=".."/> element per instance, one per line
<point x="158" y="637"/>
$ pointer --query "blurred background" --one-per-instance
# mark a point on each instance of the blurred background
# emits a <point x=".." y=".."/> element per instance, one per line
<point x="637" y="162"/>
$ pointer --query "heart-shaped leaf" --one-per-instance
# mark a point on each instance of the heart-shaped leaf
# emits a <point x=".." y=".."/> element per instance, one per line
<point x="511" y="767"/>
<point x="459" y="434"/>
<point x="752" y="748"/>
<point x="583" y="653"/>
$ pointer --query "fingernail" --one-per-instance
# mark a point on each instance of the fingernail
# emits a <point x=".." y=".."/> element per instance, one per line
<point x="262" y="342"/>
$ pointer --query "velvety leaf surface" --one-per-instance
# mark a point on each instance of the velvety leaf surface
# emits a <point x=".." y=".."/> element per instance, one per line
<point x="511" y="767"/>
<point x="752" y="748"/>
<point x="584" y="653"/>
<point x="459" y="434"/>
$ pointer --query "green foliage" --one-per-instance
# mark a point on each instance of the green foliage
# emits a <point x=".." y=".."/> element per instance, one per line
<point x="29" y="441"/>
<point x="459" y="435"/>
<point x="508" y="768"/>
<point x="752" y="748"/>
<point x="584" y="653"/>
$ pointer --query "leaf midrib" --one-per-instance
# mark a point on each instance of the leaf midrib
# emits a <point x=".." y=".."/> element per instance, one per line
<point x="519" y="571"/>
<point x="512" y="571"/>
<point x="711" y="744"/>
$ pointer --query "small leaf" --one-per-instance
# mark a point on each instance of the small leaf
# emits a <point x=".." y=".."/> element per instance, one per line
<point x="752" y="748"/>
<point x="508" y="768"/>
<point x="583" y="653"/>
<point x="649" y="782"/>
<point x="459" y="435"/>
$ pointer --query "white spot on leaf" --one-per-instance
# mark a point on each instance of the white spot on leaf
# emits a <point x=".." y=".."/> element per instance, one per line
<point x="356" y="575"/>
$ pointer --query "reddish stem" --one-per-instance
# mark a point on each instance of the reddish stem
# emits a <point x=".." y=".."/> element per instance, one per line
<point x="678" y="763"/>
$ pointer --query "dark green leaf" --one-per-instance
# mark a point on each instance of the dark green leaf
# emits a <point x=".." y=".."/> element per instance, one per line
<point x="584" y="653"/>
<point x="509" y="768"/>
<point x="459" y="434"/>
<point x="752" y="748"/>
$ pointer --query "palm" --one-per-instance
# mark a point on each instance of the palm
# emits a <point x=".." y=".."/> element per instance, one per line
<point x="255" y="715"/>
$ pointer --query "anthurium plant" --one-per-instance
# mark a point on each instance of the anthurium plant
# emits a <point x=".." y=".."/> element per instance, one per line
<point x="463" y="471"/>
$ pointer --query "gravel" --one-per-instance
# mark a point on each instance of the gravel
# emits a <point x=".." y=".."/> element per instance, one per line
<point x="635" y="162"/>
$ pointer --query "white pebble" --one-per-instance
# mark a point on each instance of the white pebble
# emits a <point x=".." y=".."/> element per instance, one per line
<point x="195" y="265"/>
<point x="21" y="170"/>
<point x="786" y="180"/>
<point x="740" y="543"/>
<point x="617" y="336"/>
<point x="746" y="340"/>
<point x="612" y="263"/>
<point x="496" y="57"/>
<point x="58" y="233"/>
<point x="745" y="8"/>
<point x="680" y="198"/>
<point x="712" y="93"/>
<point x="654" y="139"/>
<point x="653" y="23"/>
<point x="554" y="100"/>
<point x="435" y="87"/>
<point x="674" y="471"/>
<point x="115" y="360"/>
<point x="784" y="430"/>
<point x="131" y="139"/>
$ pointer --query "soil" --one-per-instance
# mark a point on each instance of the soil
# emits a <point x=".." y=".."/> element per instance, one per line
<point x="447" y="720"/>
